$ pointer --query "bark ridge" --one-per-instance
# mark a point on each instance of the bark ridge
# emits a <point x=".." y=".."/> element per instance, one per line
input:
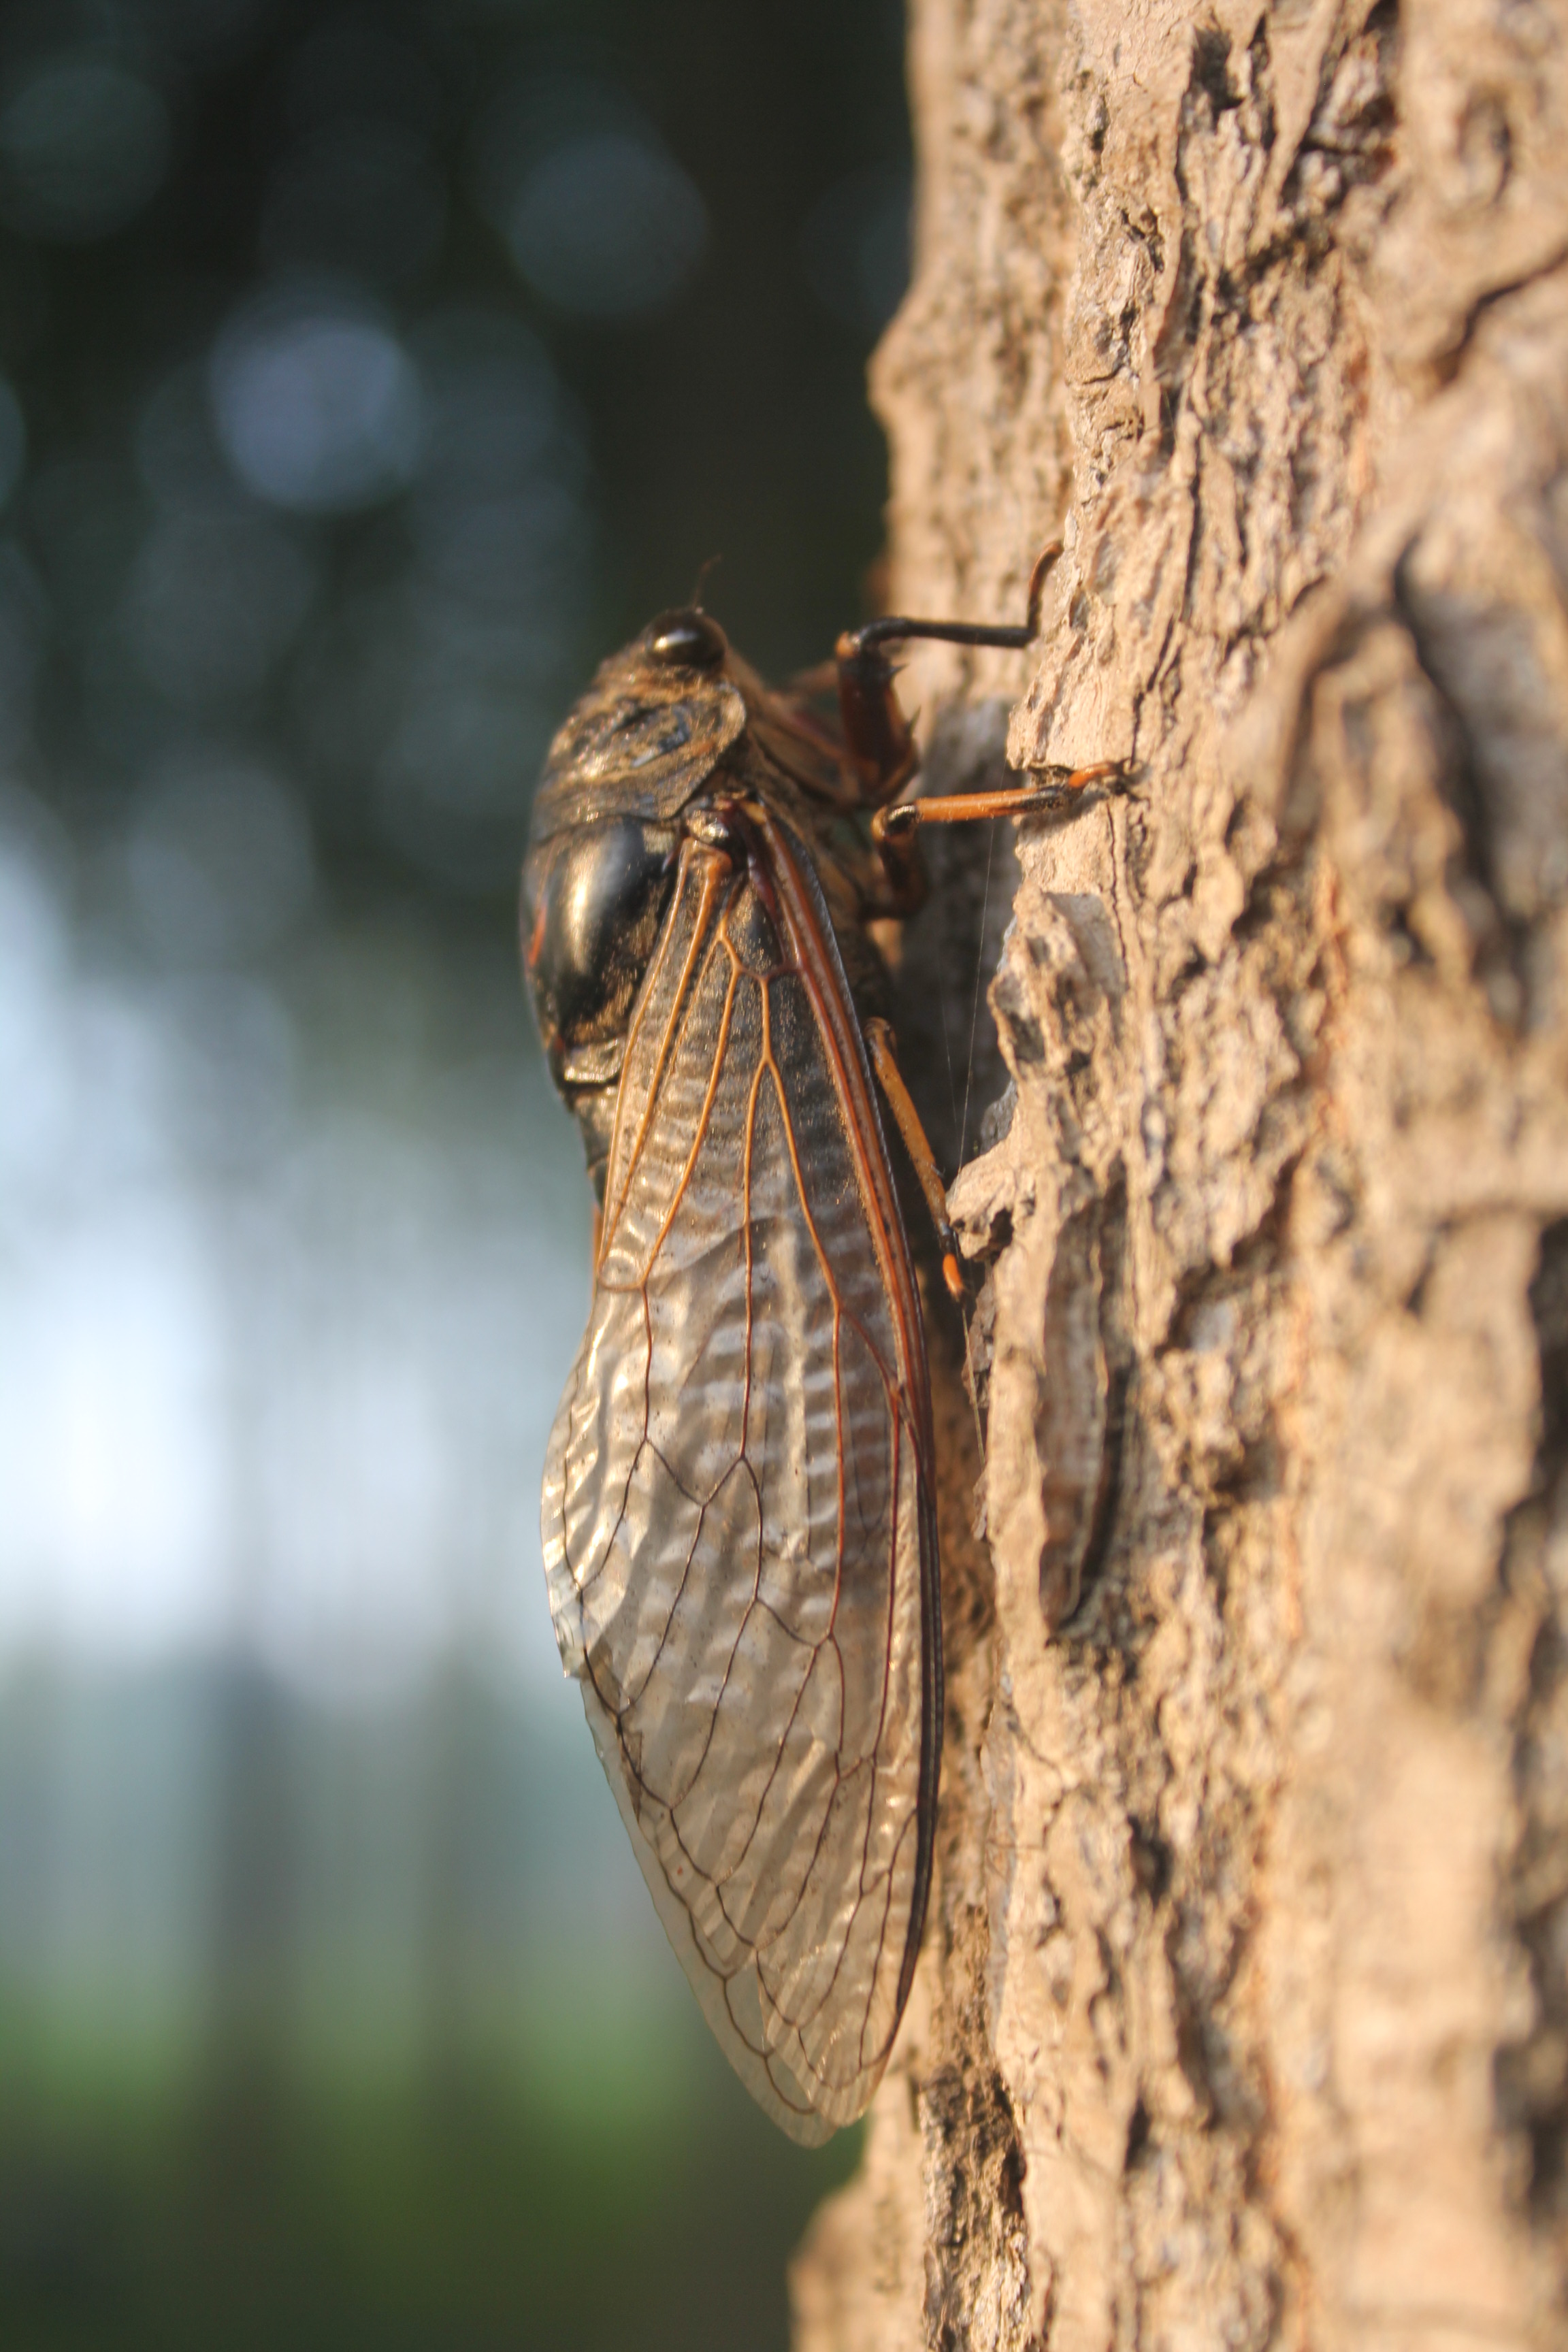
<point x="1243" y="2016"/>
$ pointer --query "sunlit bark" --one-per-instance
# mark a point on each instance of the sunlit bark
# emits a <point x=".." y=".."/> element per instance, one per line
<point x="1243" y="2017"/>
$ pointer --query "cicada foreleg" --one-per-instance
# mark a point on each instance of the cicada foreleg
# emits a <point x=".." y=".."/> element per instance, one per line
<point x="875" y="728"/>
<point x="880" y="740"/>
<point x="882" y="745"/>
<point x="894" y="830"/>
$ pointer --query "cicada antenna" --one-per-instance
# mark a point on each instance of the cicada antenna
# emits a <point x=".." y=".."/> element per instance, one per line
<point x="710" y="564"/>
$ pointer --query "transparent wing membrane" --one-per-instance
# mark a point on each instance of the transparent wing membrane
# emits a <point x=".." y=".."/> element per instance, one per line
<point x="737" y="1510"/>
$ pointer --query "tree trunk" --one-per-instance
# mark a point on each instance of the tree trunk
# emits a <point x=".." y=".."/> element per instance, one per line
<point x="1243" y="2015"/>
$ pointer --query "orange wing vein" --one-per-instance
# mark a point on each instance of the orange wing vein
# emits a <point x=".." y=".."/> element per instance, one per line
<point x="737" y="1513"/>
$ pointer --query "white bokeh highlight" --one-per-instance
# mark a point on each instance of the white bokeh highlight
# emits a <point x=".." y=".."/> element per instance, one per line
<point x="277" y="1366"/>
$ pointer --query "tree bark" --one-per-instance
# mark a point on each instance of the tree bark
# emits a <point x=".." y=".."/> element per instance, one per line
<point x="1243" y="2015"/>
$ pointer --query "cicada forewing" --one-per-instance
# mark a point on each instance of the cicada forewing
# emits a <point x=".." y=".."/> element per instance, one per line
<point x="737" y="1495"/>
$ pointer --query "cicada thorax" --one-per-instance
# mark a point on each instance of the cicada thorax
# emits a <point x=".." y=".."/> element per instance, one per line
<point x="677" y="738"/>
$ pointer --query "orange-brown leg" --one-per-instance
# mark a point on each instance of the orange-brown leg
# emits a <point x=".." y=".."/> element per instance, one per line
<point x="891" y="828"/>
<point x="878" y="736"/>
<point x="882" y="1047"/>
<point x="895" y="831"/>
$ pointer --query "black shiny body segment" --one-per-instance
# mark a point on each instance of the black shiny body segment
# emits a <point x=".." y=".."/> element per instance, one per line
<point x="593" y="898"/>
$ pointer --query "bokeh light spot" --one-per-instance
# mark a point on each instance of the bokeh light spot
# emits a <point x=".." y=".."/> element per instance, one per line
<point x="608" y="226"/>
<point x="84" y="144"/>
<point x="317" y="404"/>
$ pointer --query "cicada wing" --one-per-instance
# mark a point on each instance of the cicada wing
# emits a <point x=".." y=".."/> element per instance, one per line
<point x="738" y="1525"/>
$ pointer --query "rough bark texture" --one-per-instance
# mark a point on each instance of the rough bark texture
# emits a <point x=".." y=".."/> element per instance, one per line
<point x="1243" y="2018"/>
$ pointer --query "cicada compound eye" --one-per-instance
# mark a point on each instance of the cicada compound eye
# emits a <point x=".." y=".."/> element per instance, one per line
<point x="687" y="639"/>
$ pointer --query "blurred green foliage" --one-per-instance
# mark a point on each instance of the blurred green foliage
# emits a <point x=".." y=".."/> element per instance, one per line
<point x="458" y="2213"/>
<point x="368" y="369"/>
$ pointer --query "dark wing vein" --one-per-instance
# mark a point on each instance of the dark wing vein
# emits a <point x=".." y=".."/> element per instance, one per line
<point x="738" y="1527"/>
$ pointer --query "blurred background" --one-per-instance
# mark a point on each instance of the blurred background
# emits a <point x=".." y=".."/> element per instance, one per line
<point x="366" y="373"/>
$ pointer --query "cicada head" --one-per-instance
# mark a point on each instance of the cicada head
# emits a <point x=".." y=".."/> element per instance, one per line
<point x="648" y="733"/>
<point x="641" y="743"/>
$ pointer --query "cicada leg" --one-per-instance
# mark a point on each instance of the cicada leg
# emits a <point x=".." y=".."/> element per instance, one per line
<point x="875" y="728"/>
<point x="882" y="1047"/>
<point x="895" y="829"/>
<point x="882" y="745"/>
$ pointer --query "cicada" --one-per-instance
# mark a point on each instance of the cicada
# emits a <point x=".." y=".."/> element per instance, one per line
<point x="738" y="1516"/>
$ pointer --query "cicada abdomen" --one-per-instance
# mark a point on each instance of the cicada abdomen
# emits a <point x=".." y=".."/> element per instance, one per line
<point x="738" y="1517"/>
